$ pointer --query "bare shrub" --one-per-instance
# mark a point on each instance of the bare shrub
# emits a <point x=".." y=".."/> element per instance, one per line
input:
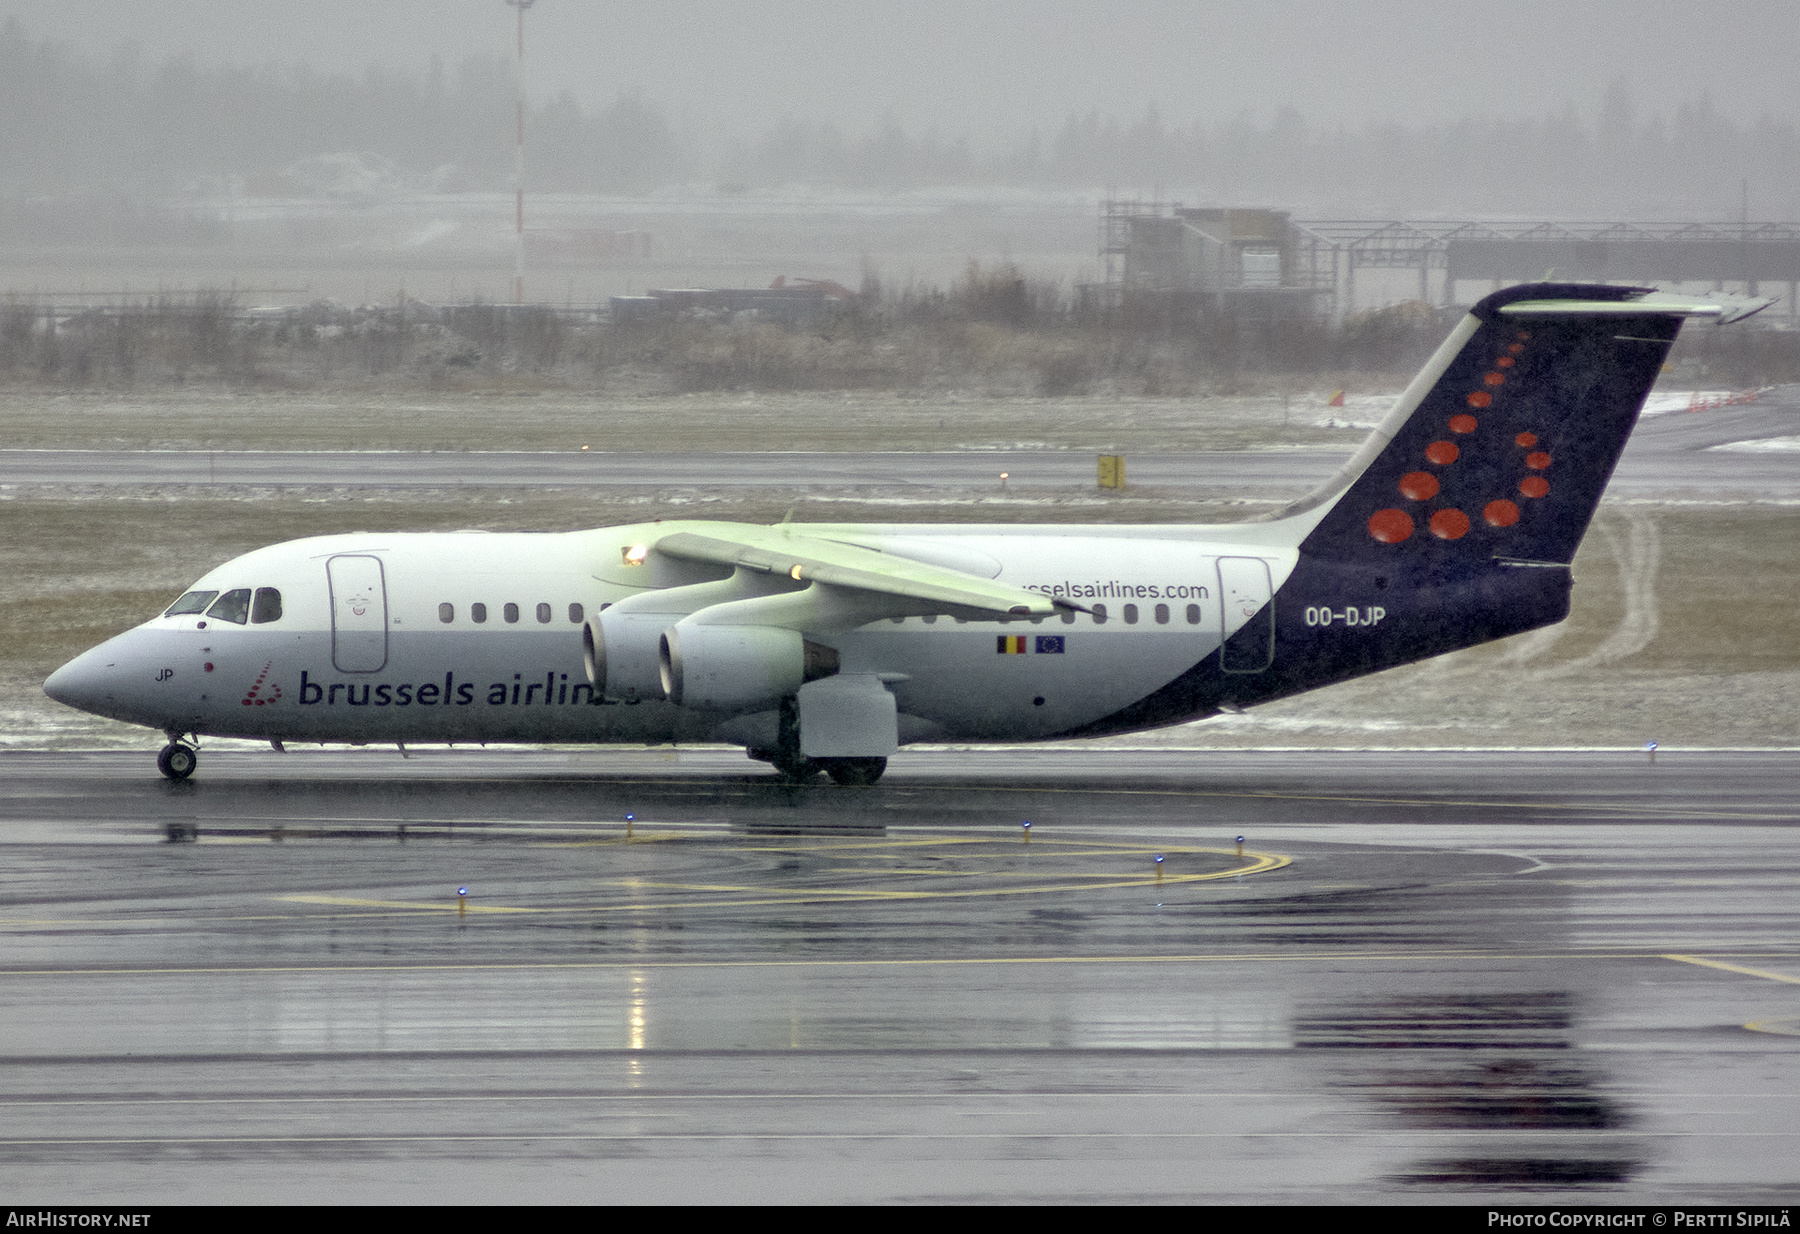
<point x="996" y="331"/>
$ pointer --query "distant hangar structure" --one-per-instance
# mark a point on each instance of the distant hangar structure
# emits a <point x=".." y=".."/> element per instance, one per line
<point x="1260" y="264"/>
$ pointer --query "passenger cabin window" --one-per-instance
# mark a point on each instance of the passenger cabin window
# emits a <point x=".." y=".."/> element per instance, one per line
<point x="1193" y="614"/>
<point x="543" y="614"/>
<point x="266" y="607"/>
<point x="233" y="606"/>
<point x="446" y="612"/>
<point x="575" y="614"/>
<point x="1131" y="614"/>
<point x="478" y="613"/>
<point x="1099" y="614"/>
<point x="192" y="602"/>
<point x="1162" y="614"/>
<point x="510" y="612"/>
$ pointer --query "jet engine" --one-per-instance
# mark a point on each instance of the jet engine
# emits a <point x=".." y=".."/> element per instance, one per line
<point x="620" y="652"/>
<point x="730" y="668"/>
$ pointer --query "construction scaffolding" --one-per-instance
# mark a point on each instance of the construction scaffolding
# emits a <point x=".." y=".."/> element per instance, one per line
<point x="1260" y="263"/>
<point x="1252" y="265"/>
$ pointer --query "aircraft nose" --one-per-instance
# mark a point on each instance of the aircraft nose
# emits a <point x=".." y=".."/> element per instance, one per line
<point x="87" y="682"/>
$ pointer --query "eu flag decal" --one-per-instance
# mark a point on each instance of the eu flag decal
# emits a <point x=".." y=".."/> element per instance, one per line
<point x="1010" y="644"/>
<point x="1050" y="644"/>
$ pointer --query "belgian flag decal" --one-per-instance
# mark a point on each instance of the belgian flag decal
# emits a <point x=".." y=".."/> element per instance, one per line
<point x="1019" y="644"/>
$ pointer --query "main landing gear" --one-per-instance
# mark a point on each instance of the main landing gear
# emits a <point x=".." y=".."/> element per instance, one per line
<point x="796" y="768"/>
<point x="850" y="772"/>
<point x="853" y="772"/>
<point x="177" y="760"/>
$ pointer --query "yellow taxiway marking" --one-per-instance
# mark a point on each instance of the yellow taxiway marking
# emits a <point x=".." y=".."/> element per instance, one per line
<point x="1764" y="973"/>
<point x="735" y="895"/>
<point x="927" y="872"/>
<point x="648" y="837"/>
<point x="1786" y="1027"/>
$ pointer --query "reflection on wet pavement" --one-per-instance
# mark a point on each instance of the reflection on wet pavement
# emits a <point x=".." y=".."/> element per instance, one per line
<point x="1496" y="1064"/>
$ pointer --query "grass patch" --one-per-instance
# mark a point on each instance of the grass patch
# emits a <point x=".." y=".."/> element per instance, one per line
<point x="498" y="419"/>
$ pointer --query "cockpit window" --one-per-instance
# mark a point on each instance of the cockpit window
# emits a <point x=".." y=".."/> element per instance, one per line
<point x="266" y="607"/>
<point x="192" y="602"/>
<point x="233" y="606"/>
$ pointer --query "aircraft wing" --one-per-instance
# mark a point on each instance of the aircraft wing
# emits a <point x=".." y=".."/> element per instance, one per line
<point x="776" y="550"/>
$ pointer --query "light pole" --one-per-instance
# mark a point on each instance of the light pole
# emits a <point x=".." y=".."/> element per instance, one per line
<point x="519" y="156"/>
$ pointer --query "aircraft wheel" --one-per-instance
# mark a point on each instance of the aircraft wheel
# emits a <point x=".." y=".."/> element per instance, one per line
<point x="797" y="770"/>
<point x="177" y="761"/>
<point x="854" y="771"/>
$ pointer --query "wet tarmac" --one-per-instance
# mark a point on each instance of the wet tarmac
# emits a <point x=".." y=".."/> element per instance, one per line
<point x="1443" y="977"/>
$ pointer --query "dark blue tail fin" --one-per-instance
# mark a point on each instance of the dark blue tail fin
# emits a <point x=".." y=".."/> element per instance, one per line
<point x="1507" y="451"/>
<point x="1456" y="522"/>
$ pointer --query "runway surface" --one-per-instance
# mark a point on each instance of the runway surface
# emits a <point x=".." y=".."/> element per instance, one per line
<point x="1669" y="456"/>
<point x="1542" y="977"/>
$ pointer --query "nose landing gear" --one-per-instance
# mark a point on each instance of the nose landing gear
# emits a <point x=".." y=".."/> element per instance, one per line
<point x="177" y="760"/>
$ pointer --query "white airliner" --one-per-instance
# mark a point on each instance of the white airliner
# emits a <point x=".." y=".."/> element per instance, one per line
<point x="826" y="647"/>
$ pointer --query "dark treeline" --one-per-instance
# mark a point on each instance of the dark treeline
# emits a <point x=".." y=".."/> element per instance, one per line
<point x="71" y="123"/>
<point x="1619" y="162"/>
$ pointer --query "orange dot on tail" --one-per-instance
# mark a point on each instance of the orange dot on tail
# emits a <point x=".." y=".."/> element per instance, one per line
<point x="1524" y="334"/>
<point x="1527" y="440"/>
<point x="1495" y="379"/>
<point x="1534" y="486"/>
<point x="1516" y="348"/>
<point x="1390" y="526"/>
<point x="1537" y="460"/>
<point x="1449" y="524"/>
<point x="1481" y="398"/>
<point x="1443" y="453"/>
<point x="1500" y="513"/>
<point x="1505" y="362"/>
<point x="1418" y="485"/>
<point x="1462" y="424"/>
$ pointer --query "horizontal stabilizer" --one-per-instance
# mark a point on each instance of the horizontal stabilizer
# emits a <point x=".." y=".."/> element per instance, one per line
<point x="1725" y="309"/>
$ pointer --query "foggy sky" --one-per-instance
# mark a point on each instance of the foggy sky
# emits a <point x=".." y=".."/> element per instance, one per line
<point x="994" y="69"/>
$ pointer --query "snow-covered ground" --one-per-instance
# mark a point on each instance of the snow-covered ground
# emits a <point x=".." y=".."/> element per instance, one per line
<point x="1762" y="445"/>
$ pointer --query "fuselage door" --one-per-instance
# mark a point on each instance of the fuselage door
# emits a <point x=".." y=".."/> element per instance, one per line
<point x="358" y="614"/>
<point x="1249" y="618"/>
